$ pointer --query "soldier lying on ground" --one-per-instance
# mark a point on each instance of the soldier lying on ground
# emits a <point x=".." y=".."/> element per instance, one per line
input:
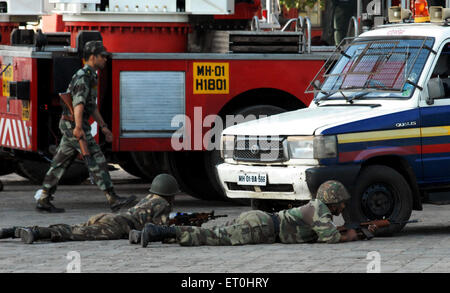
<point x="309" y="223"/>
<point x="154" y="208"/>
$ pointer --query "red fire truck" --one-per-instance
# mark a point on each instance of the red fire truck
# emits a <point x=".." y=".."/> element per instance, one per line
<point x="179" y="69"/>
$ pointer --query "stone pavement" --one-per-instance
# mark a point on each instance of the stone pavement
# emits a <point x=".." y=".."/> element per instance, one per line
<point x="421" y="247"/>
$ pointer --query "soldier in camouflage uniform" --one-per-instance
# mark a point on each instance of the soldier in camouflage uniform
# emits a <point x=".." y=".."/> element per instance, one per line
<point x="83" y="89"/>
<point x="154" y="208"/>
<point x="309" y="223"/>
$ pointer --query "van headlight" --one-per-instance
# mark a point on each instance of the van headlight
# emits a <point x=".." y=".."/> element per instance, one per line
<point x="312" y="147"/>
<point x="227" y="146"/>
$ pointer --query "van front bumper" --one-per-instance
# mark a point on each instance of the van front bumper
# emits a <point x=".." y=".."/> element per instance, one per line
<point x="284" y="182"/>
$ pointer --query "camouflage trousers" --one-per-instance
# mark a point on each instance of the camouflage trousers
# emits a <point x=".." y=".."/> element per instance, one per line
<point x="103" y="226"/>
<point x="251" y="227"/>
<point x="67" y="152"/>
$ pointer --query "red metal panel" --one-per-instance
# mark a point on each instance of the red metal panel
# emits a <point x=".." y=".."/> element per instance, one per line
<point x="138" y="65"/>
<point x="291" y="76"/>
<point x="18" y="118"/>
<point x="136" y="37"/>
<point x="5" y="30"/>
<point x="52" y="23"/>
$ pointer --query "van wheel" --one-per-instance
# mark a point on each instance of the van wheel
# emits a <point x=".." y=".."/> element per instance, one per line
<point x="381" y="193"/>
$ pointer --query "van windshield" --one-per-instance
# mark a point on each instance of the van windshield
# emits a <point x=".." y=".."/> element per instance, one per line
<point x="373" y="68"/>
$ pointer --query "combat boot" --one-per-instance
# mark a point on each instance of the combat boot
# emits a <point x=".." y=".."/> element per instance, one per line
<point x="154" y="233"/>
<point x="134" y="237"/>
<point x="44" y="204"/>
<point x="29" y="235"/>
<point x="117" y="202"/>
<point x="9" y="232"/>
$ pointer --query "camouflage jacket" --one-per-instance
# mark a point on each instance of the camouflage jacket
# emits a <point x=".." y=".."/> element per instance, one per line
<point x="151" y="209"/>
<point x="83" y="88"/>
<point x="312" y="222"/>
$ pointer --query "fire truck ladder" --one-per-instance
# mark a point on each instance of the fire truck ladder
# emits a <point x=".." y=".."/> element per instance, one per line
<point x="281" y="41"/>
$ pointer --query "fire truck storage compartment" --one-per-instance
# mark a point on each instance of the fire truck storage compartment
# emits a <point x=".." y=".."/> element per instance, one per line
<point x="149" y="100"/>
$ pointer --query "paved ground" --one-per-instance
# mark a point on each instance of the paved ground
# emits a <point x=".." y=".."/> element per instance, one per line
<point x="422" y="247"/>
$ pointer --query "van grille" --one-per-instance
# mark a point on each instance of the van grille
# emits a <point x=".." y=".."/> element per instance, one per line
<point x="260" y="149"/>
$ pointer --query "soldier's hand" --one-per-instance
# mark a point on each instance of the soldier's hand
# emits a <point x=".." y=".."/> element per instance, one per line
<point x="78" y="132"/>
<point x="352" y="235"/>
<point x="349" y="235"/>
<point x="372" y="228"/>
<point x="108" y="134"/>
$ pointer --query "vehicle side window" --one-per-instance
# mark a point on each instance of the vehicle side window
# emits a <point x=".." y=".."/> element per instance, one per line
<point x="442" y="69"/>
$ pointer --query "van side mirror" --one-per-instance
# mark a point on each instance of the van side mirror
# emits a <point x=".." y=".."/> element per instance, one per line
<point x="435" y="90"/>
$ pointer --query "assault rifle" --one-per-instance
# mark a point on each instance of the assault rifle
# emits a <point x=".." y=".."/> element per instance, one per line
<point x="86" y="155"/>
<point x="192" y="219"/>
<point x="362" y="228"/>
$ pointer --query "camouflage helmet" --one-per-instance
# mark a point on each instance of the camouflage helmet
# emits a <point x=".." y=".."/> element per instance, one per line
<point x="164" y="185"/>
<point x="332" y="192"/>
<point x="95" y="48"/>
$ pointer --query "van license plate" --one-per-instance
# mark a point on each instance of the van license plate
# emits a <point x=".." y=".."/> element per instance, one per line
<point x="252" y="179"/>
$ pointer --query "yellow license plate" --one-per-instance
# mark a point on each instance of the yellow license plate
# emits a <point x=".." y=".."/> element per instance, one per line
<point x="211" y="78"/>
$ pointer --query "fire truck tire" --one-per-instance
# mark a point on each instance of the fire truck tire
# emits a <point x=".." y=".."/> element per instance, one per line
<point x="6" y="167"/>
<point x="380" y="193"/>
<point x="35" y="171"/>
<point x="127" y="163"/>
<point x="191" y="175"/>
<point x="149" y="164"/>
<point x="213" y="158"/>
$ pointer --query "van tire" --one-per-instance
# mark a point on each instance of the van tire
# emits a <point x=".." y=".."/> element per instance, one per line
<point x="380" y="193"/>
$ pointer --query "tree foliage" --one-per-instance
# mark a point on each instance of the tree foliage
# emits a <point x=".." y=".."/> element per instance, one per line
<point x="299" y="4"/>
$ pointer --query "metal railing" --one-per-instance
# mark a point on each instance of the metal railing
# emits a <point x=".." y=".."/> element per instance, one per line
<point x="300" y="26"/>
<point x="353" y="23"/>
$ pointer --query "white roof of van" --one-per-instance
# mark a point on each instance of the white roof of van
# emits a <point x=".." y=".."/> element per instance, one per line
<point x="436" y="30"/>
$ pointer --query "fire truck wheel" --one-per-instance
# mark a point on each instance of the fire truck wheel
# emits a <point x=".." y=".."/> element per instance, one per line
<point x="35" y="171"/>
<point x="213" y="158"/>
<point x="380" y="193"/>
<point x="6" y="167"/>
<point x="191" y="175"/>
<point x="149" y="164"/>
<point x="126" y="162"/>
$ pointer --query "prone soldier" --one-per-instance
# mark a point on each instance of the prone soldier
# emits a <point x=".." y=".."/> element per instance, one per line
<point x="154" y="208"/>
<point x="309" y="223"/>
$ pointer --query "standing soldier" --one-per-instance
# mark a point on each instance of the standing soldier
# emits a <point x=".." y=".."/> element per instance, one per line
<point x="309" y="223"/>
<point x="336" y="20"/>
<point x="83" y="89"/>
<point x="154" y="208"/>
